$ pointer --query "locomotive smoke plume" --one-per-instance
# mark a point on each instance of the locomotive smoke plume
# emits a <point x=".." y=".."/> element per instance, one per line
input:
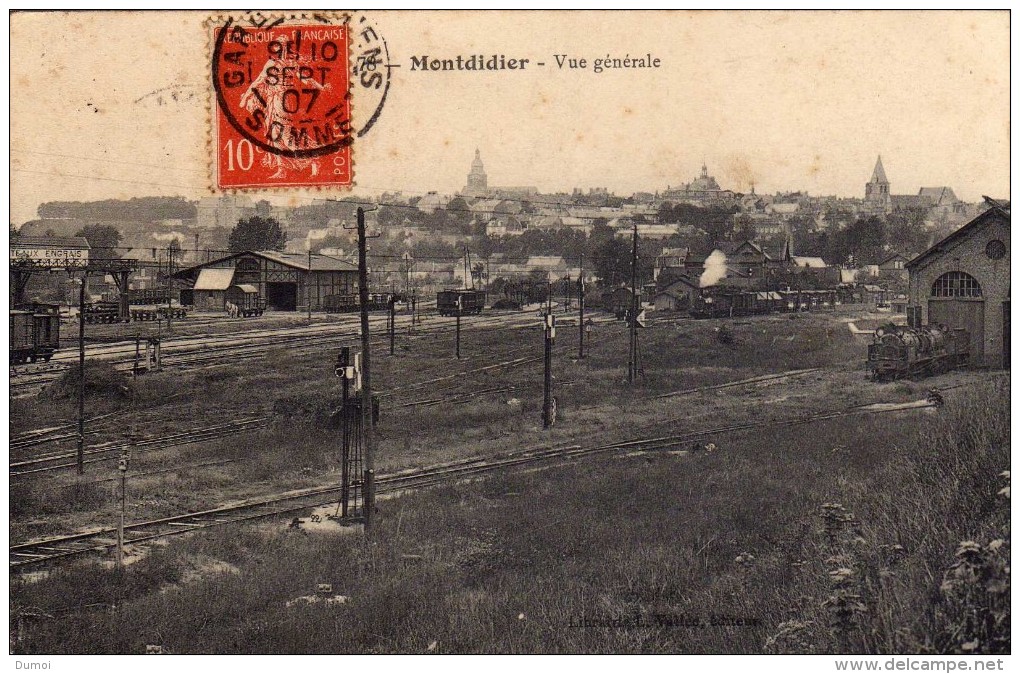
<point x="715" y="269"/>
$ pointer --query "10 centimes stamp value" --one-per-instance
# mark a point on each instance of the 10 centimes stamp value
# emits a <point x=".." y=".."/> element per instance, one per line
<point x="282" y="103"/>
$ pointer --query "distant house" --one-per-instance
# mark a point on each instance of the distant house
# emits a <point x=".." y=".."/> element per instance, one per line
<point x="545" y="222"/>
<point x="782" y="208"/>
<point x="432" y="201"/>
<point x="647" y="230"/>
<point x="749" y="259"/>
<point x="894" y="267"/>
<point x="554" y="266"/>
<point x="809" y="262"/>
<point x="676" y="296"/>
<point x="506" y="225"/>
<point x="670" y="258"/>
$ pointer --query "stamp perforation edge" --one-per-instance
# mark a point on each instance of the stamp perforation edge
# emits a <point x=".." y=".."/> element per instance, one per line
<point x="209" y="25"/>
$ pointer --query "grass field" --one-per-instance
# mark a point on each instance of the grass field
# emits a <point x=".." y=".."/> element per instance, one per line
<point x="815" y="538"/>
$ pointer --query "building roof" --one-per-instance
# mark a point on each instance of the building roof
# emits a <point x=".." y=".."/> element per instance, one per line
<point x="911" y="201"/>
<point x="811" y="262"/>
<point x="730" y="247"/>
<point x="998" y="210"/>
<point x="300" y="261"/>
<point x="939" y="195"/>
<point x="295" y="260"/>
<point x="673" y="289"/>
<point x="64" y="242"/>
<point x="214" y="279"/>
<point x="892" y="257"/>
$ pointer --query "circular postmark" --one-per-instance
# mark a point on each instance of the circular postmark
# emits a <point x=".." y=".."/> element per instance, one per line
<point x="370" y="69"/>
<point x="285" y="90"/>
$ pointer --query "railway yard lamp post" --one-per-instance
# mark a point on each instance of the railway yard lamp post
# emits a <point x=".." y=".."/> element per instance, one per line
<point x="122" y="467"/>
<point x="634" y="306"/>
<point x="580" y="307"/>
<point x="80" y="462"/>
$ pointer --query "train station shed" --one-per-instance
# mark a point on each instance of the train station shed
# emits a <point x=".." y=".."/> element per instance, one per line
<point x="288" y="281"/>
<point x="963" y="282"/>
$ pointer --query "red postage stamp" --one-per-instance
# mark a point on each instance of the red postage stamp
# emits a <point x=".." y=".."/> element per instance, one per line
<point x="282" y="106"/>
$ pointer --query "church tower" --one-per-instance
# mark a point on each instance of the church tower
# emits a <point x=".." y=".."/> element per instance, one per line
<point x="876" y="190"/>
<point x="477" y="181"/>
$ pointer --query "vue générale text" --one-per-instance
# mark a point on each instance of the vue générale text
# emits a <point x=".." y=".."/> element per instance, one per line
<point x="490" y="62"/>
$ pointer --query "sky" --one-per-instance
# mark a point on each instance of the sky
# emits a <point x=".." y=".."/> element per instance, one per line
<point x="117" y="105"/>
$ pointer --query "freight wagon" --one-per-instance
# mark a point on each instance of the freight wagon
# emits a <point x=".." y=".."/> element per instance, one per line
<point x="338" y="304"/>
<point x="35" y="333"/>
<point x="463" y="302"/>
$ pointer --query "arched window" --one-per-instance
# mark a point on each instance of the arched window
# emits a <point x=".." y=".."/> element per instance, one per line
<point x="956" y="284"/>
<point x="247" y="264"/>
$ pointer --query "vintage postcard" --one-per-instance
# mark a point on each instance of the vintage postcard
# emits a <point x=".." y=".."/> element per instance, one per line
<point x="532" y="332"/>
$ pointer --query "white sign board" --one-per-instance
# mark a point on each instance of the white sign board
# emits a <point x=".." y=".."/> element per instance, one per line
<point x="50" y="257"/>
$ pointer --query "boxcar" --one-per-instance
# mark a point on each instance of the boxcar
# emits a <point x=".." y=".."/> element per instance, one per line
<point x="34" y="333"/>
<point x="452" y="302"/>
<point x="350" y="302"/>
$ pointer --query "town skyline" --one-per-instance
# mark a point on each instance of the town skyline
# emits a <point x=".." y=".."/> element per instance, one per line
<point x="791" y="101"/>
<point x="660" y="192"/>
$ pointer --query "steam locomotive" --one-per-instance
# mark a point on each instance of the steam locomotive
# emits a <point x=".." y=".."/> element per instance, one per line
<point x="899" y="351"/>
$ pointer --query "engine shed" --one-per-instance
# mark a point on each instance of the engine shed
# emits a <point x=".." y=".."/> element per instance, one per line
<point x="963" y="282"/>
<point x="287" y="281"/>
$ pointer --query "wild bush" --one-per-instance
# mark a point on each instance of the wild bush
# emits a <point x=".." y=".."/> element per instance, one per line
<point x="101" y="380"/>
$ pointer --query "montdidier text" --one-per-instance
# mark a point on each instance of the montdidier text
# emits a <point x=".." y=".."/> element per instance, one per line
<point x="476" y="62"/>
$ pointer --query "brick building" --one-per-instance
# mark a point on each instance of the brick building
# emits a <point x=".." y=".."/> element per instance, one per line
<point x="963" y="282"/>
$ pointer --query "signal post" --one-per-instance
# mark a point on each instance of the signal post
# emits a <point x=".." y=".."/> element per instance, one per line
<point x="549" y="403"/>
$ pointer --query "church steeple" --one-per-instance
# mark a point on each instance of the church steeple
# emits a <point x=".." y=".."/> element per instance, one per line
<point x="477" y="180"/>
<point x="878" y="175"/>
<point x="876" y="190"/>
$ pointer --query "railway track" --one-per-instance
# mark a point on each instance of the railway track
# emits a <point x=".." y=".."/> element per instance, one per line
<point x="204" y="351"/>
<point x="36" y="464"/>
<point x="100" y="540"/>
<point x="55" y="461"/>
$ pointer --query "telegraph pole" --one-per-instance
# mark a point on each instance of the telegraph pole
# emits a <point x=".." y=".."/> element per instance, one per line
<point x="460" y="310"/>
<point x="580" y="305"/>
<point x="122" y="467"/>
<point x="81" y="374"/>
<point x="308" y="284"/>
<point x="367" y="420"/>
<point x="393" y="321"/>
<point x="548" y="409"/>
<point x="344" y="370"/>
<point x="169" y="284"/>
<point x="632" y="365"/>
